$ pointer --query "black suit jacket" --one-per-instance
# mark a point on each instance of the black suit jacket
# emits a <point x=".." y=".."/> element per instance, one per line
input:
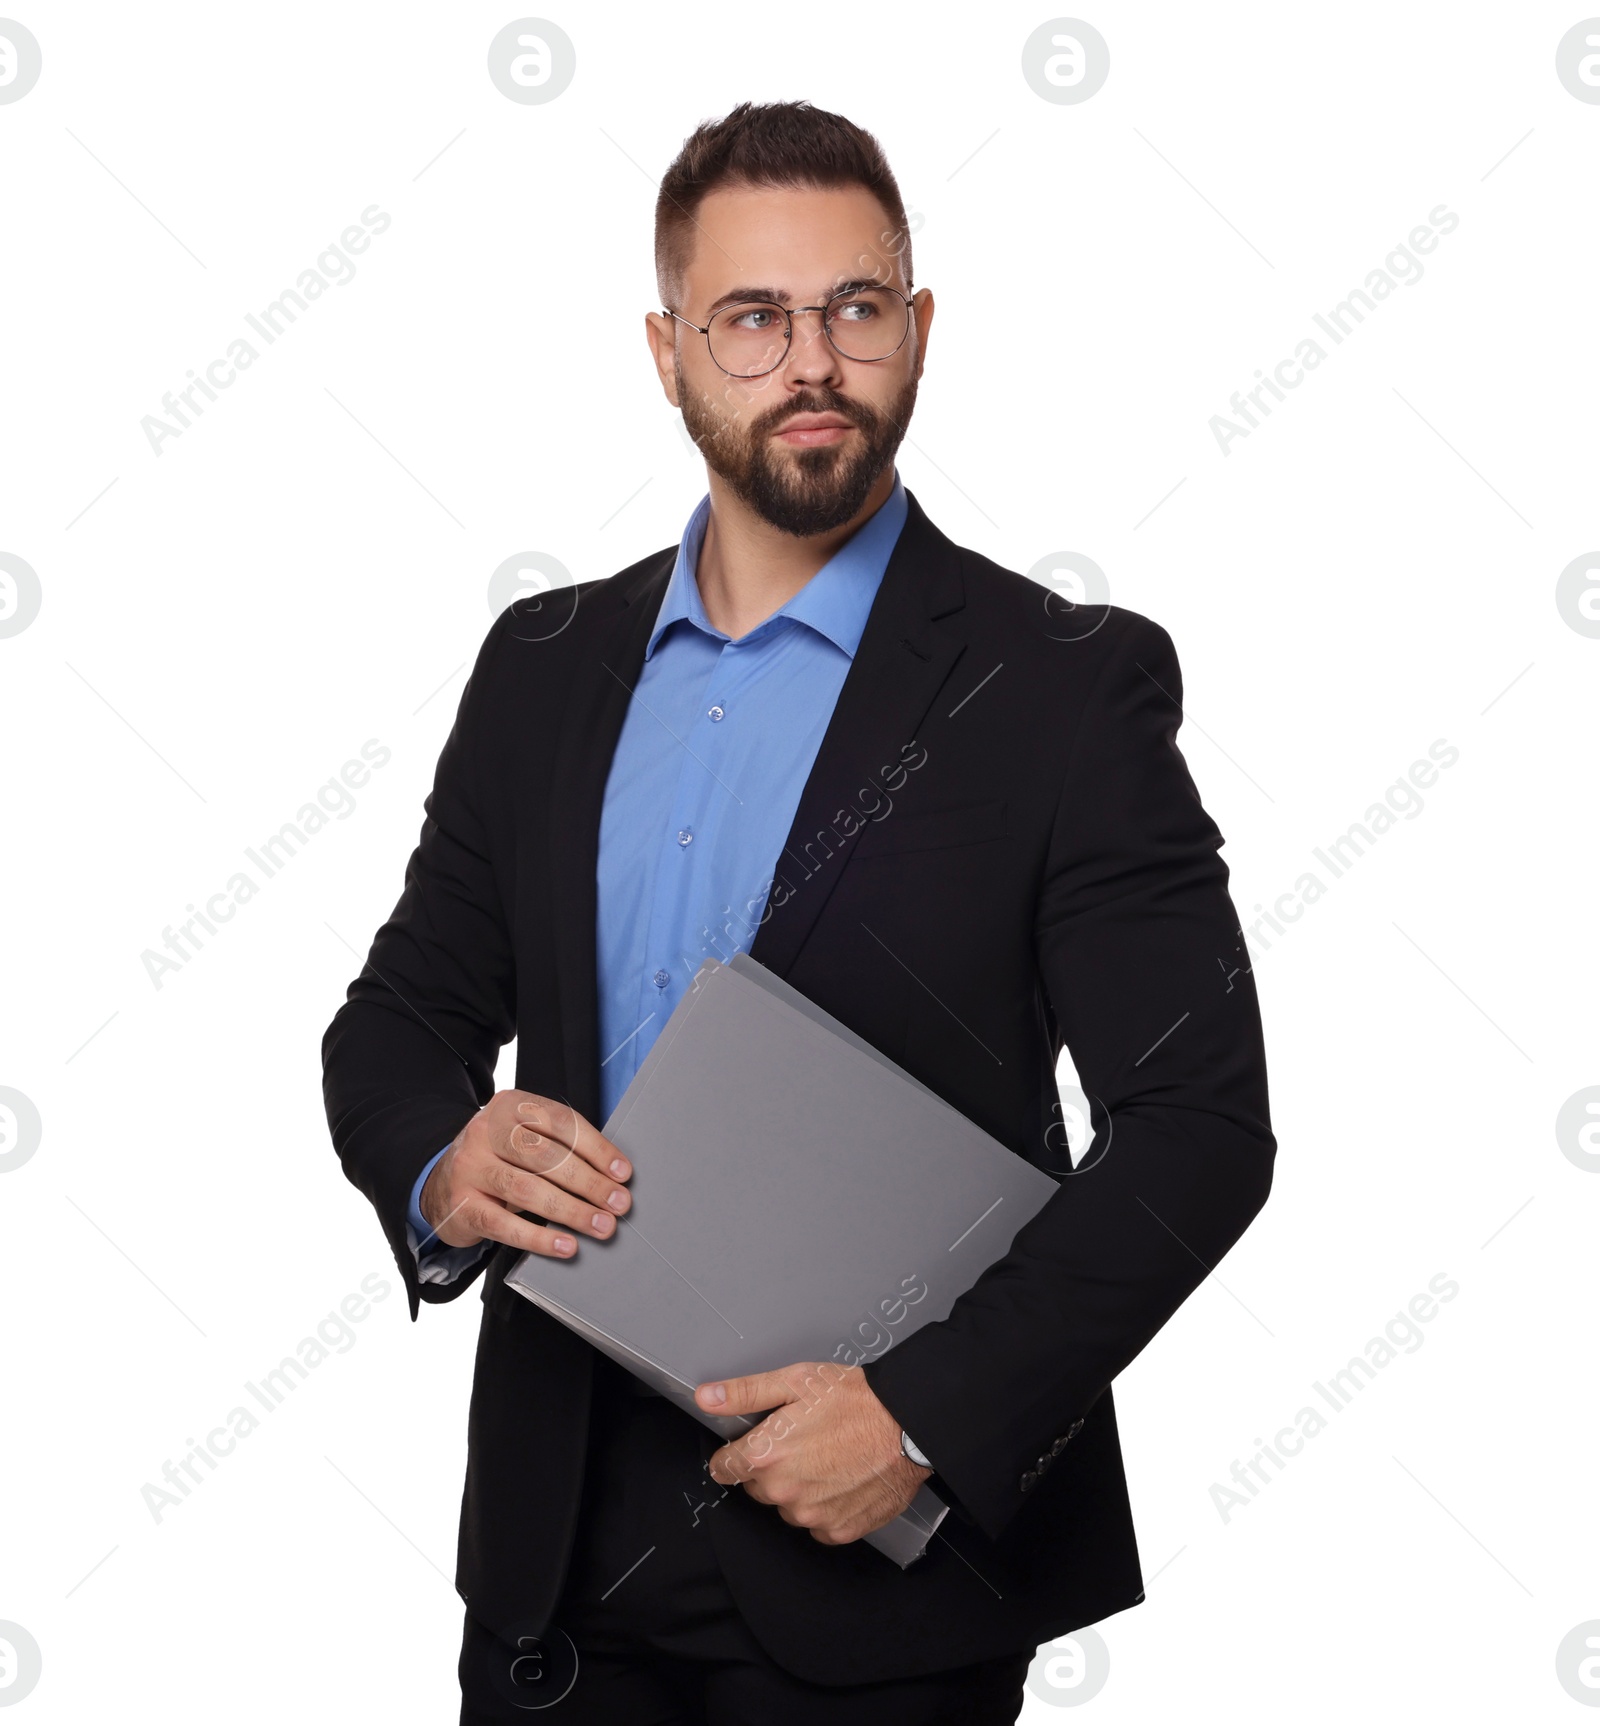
<point x="999" y="849"/>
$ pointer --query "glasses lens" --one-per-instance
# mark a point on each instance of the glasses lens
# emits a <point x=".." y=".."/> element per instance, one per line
<point x="749" y="339"/>
<point x="869" y="324"/>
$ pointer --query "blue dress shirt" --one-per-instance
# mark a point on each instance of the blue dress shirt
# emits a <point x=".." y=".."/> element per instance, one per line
<point x="715" y="750"/>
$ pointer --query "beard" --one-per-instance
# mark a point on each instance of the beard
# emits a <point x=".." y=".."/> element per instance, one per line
<point x="805" y="491"/>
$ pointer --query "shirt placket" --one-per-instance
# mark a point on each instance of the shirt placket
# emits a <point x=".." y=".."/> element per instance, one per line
<point x="680" y="870"/>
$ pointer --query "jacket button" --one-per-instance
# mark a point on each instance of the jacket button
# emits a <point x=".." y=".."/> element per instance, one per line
<point x="1044" y="1462"/>
<point x="1075" y="1428"/>
<point x="1029" y="1481"/>
<point x="1059" y="1446"/>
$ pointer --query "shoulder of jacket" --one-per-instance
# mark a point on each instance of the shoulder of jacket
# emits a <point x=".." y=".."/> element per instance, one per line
<point x="558" y="620"/>
<point x="1019" y="601"/>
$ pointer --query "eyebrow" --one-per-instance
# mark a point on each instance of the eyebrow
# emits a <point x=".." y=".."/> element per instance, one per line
<point x="737" y="296"/>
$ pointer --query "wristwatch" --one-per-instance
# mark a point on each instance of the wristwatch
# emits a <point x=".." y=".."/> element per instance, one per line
<point x="910" y="1451"/>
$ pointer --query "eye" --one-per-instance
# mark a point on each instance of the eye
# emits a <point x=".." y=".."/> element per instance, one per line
<point x="757" y="318"/>
<point x="855" y="311"/>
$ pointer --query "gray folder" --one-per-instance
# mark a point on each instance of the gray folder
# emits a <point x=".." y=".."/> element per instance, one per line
<point x="797" y="1197"/>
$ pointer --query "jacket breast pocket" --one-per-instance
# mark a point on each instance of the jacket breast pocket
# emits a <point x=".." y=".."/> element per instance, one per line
<point x="902" y="831"/>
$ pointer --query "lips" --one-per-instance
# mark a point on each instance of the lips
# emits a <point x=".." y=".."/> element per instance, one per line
<point x="807" y="431"/>
<point x="815" y="422"/>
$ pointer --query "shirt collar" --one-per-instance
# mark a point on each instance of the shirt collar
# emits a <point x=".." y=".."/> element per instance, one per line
<point x="834" y="602"/>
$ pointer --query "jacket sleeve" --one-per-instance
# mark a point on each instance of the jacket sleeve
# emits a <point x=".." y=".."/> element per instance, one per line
<point x="410" y="1056"/>
<point x="1141" y="957"/>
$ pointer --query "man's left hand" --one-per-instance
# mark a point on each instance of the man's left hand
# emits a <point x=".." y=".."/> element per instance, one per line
<point x="827" y="1458"/>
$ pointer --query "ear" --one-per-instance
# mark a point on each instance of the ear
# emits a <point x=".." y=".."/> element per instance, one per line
<point x="661" y="333"/>
<point x="922" y="312"/>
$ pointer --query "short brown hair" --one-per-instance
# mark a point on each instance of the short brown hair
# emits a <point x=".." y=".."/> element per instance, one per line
<point x="768" y="144"/>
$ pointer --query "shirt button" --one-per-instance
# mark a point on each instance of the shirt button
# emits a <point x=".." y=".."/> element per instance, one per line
<point x="661" y="979"/>
<point x="685" y="837"/>
<point x="716" y="713"/>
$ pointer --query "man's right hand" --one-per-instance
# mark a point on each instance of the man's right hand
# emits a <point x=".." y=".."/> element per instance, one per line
<point x="522" y="1152"/>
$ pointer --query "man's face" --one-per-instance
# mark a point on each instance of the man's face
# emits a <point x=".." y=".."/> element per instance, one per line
<point x="804" y="444"/>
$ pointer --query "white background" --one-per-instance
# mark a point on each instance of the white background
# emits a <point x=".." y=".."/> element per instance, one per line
<point x="306" y="567"/>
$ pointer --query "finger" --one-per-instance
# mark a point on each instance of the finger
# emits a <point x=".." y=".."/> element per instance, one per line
<point x="558" y="1122"/>
<point x="522" y="1192"/>
<point x="722" y="1468"/>
<point x="533" y="1144"/>
<point x="753" y="1394"/>
<point x="731" y="1466"/>
<point x="533" y="1163"/>
<point x="489" y="1220"/>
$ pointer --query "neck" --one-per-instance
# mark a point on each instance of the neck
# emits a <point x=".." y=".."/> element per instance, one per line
<point x="748" y="569"/>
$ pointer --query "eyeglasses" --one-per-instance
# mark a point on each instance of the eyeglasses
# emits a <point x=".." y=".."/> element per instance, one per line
<point x="752" y="338"/>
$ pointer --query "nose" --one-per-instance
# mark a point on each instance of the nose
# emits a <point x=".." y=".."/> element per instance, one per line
<point x="812" y="358"/>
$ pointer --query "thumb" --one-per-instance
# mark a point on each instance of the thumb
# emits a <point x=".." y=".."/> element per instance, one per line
<point x="753" y="1394"/>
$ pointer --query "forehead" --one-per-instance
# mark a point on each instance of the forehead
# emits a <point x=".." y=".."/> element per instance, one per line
<point x="797" y="239"/>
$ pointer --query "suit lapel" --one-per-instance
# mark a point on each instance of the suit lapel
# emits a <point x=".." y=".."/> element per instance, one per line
<point x="590" y="726"/>
<point x="908" y="649"/>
